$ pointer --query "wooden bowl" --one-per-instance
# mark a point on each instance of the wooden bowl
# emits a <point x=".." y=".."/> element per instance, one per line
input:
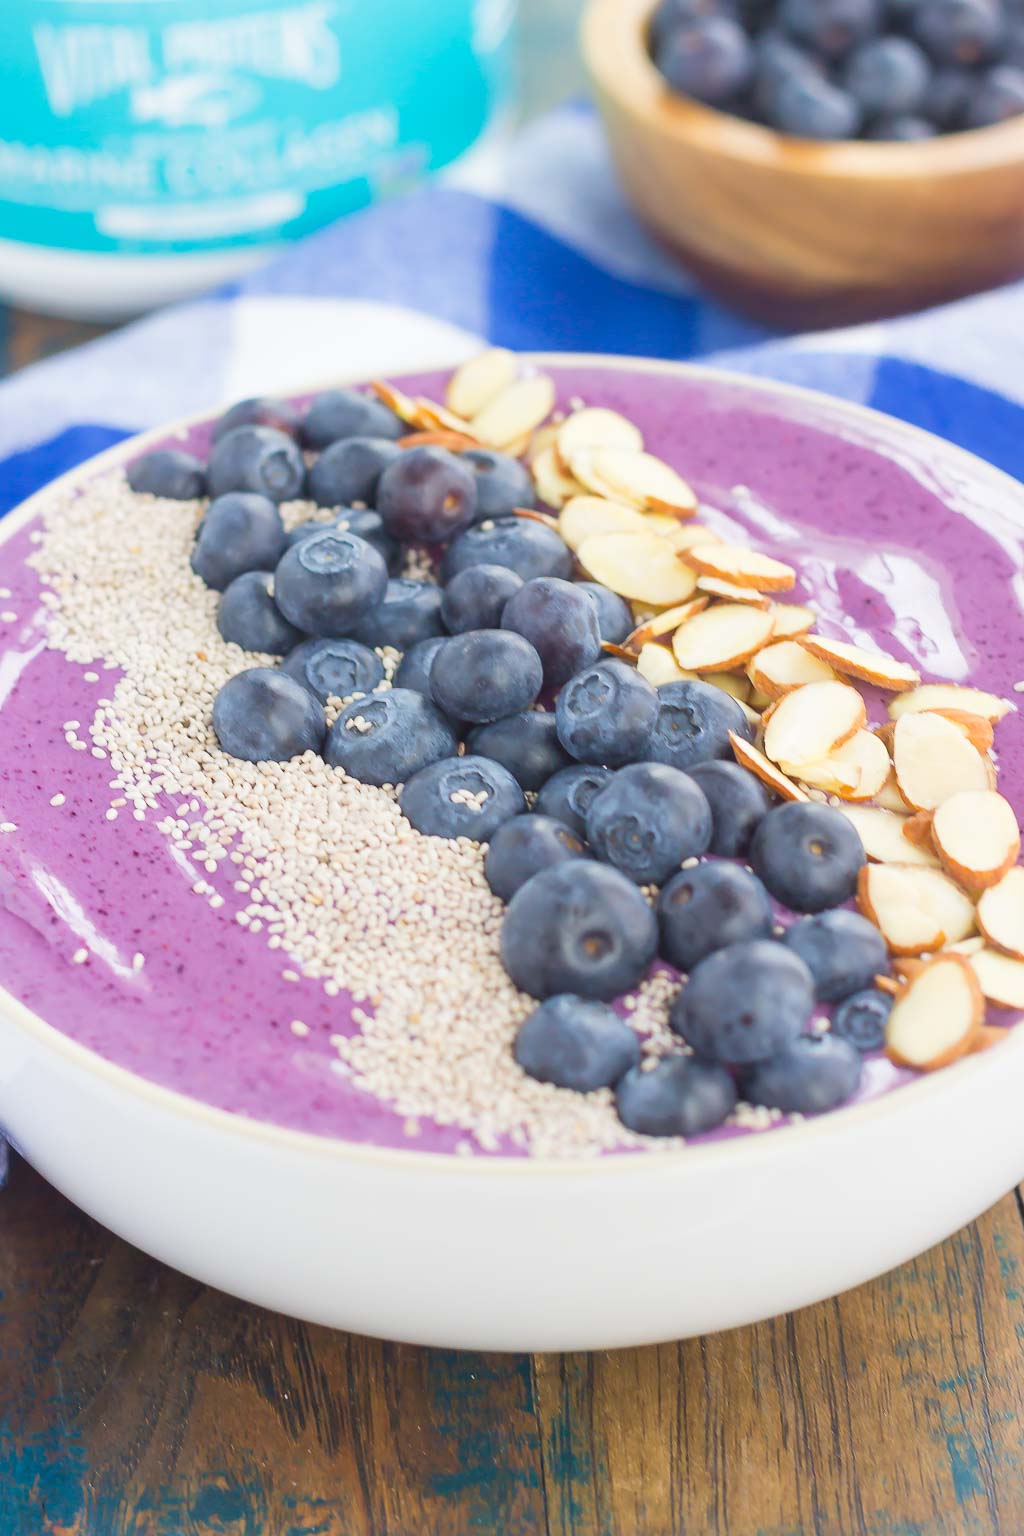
<point x="798" y="232"/>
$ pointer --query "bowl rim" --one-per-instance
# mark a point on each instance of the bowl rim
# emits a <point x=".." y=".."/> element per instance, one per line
<point x="678" y="1160"/>
<point x="613" y="43"/>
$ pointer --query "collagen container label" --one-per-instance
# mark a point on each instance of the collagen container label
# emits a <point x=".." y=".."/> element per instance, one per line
<point x="163" y="126"/>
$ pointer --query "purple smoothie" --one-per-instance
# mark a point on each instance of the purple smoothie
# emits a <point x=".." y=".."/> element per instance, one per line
<point x="895" y="538"/>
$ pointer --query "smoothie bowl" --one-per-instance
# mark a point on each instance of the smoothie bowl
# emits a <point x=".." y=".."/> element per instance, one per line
<point x="357" y="987"/>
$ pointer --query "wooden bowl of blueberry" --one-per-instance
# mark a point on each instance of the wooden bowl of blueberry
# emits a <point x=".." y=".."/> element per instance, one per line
<point x="821" y="161"/>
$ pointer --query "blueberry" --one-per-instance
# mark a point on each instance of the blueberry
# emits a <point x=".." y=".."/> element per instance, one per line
<point x="526" y="744"/>
<point x="485" y="674"/>
<point x="409" y="611"/>
<point x="263" y="716"/>
<point x="522" y="847"/>
<point x="365" y="523"/>
<point x="776" y="59"/>
<point x="560" y="622"/>
<point x="240" y="532"/>
<point x="606" y="714"/>
<point x="957" y="31"/>
<point x="579" y="927"/>
<point x="415" y="667"/>
<point x="811" y="108"/>
<point x="704" y="909"/>
<point x="258" y="411"/>
<point x="569" y="794"/>
<point x="574" y="1042"/>
<point x="814" y="1073"/>
<point x="948" y="96"/>
<point x="1013" y="42"/>
<point x="738" y="801"/>
<point x="339" y="413"/>
<point x="329" y="582"/>
<point x="671" y="14"/>
<point x="647" y="821"/>
<point x="614" y="615"/>
<point x="681" y="1096"/>
<point x="808" y="855"/>
<point x="693" y="723"/>
<point x="998" y="97"/>
<point x="906" y="129"/>
<point x="502" y="483"/>
<point x="887" y="76"/>
<point x="522" y="545"/>
<point x="464" y="797"/>
<point x="861" y="1019"/>
<point x="829" y="27"/>
<point x="247" y="615"/>
<point x="388" y="738"/>
<point x="257" y="459"/>
<point x="745" y="1002"/>
<point x="476" y="597"/>
<point x="334" y="668"/>
<point x="350" y="470"/>
<point x="842" y="950"/>
<point x="710" y="60"/>
<point x="169" y="473"/>
<point x="427" y="496"/>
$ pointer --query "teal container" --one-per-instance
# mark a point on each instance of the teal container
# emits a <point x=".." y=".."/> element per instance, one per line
<point x="151" y="147"/>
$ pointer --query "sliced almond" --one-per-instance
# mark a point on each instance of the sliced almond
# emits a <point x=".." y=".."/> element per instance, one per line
<point x="785" y="665"/>
<point x="732" y="593"/>
<point x="585" y="517"/>
<point x="403" y="405"/>
<point x="758" y="699"/>
<point x="971" y="946"/>
<point x="915" y="908"/>
<point x="721" y="638"/>
<point x="532" y="515"/>
<point x="657" y="663"/>
<point x="455" y="442"/>
<point x="885" y="734"/>
<point x="431" y="417"/>
<point x="889" y="797"/>
<point x="1001" y="913"/>
<point x="638" y="478"/>
<point x="638" y="565"/>
<point x="479" y="380"/>
<point x="554" y="487"/>
<point x="865" y="759"/>
<point x="937" y="1017"/>
<point x="988" y="1036"/>
<point x="917" y="830"/>
<point x="973" y="701"/>
<point x="976" y="836"/>
<point x="875" y="667"/>
<point x="595" y="427"/>
<point x="833" y="778"/>
<point x="749" y="757"/>
<point x="540" y="441"/>
<point x="807" y="725"/>
<point x="683" y="535"/>
<point x="732" y="683"/>
<point x="881" y="832"/>
<point x="978" y="731"/>
<point x="664" y="623"/>
<point x="745" y="567"/>
<point x="934" y="760"/>
<point x="1001" y="978"/>
<point x="792" y="620"/>
<point x="515" y="411"/>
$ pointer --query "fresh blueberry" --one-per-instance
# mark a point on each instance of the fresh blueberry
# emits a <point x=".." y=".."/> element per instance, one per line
<point x="647" y="821"/>
<point x="476" y="597"/>
<point x="169" y="473"/>
<point x="330" y="581"/>
<point x="350" y="470"/>
<point x="334" y="668"/>
<point x="339" y="413"/>
<point x="524" y="846"/>
<point x="861" y="1019"/>
<point x="574" y="1042"/>
<point x="569" y="794"/>
<point x="829" y="28"/>
<point x="706" y="908"/>
<point x="842" y="950"/>
<point x="807" y="107"/>
<point x="247" y="615"/>
<point x="263" y="716"/>
<point x="906" y="129"/>
<point x="957" y="31"/>
<point x="998" y="97"/>
<point x="427" y="496"/>
<point x="579" y="927"/>
<point x="887" y="76"/>
<point x="502" y="483"/>
<point x="614" y="615"/>
<point x="669" y="15"/>
<point x="1013" y="41"/>
<point x="415" y="667"/>
<point x="745" y="1002"/>
<point x="808" y="855"/>
<point x="738" y="801"/>
<point x="388" y="738"/>
<point x="520" y="543"/>
<point x="240" y="532"/>
<point x="485" y="674"/>
<point x="257" y="459"/>
<point x="464" y="797"/>
<point x="681" y="1096"/>
<point x="561" y="624"/>
<point x="606" y="714"/>
<point x="693" y="723"/>
<point x="526" y="744"/>
<point x="364" y="523"/>
<point x="410" y="611"/>
<point x="258" y="411"/>
<point x="709" y="60"/>
<point x="776" y="59"/>
<point x="948" y="96"/>
<point x="814" y="1073"/>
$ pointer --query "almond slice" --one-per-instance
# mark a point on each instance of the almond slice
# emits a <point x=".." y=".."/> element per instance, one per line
<point x="540" y="441"/>
<point x="515" y="411"/>
<point x="403" y="406"/>
<point x="870" y="666"/>
<point x="664" y="623"/>
<point x="917" y="829"/>
<point x="720" y="638"/>
<point x="637" y="565"/>
<point x="758" y="699"/>
<point x="431" y="417"/>
<point x="968" y="946"/>
<point x="785" y="665"/>
<point x="657" y="663"/>
<point x="937" y="1017"/>
<point x="1001" y="913"/>
<point x="745" y="567"/>
<point x="916" y="908"/>
<point x="978" y="731"/>
<point x="833" y="778"/>
<point x="479" y="380"/>
<point x="455" y="442"/>
<point x="554" y="487"/>
<point x="1001" y="979"/>
<point x="584" y="517"/>
<point x="639" y="478"/>
<point x="976" y="836"/>
<point x="595" y="427"/>
<point x="749" y="757"/>
<point x="683" y="535"/>
<point x="732" y="683"/>
<point x="973" y="701"/>
<point x="881" y="832"/>
<point x="934" y="760"/>
<point x="889" y="797"/>
<point x="865" y="759"/>
<point x="731" y="593"/>
<point x="808" y="724"/>
<point x="792" y="620"/>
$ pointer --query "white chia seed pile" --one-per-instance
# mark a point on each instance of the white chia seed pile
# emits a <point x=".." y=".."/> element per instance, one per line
<point x="328" y="871"/>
